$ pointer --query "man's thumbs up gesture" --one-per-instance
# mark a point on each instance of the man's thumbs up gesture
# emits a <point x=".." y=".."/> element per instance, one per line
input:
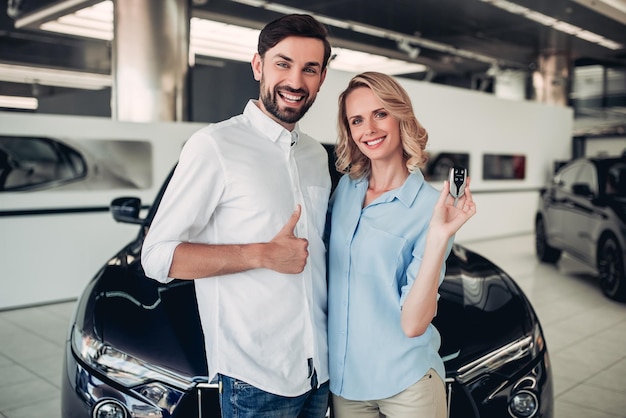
<point x="288" y="253"/>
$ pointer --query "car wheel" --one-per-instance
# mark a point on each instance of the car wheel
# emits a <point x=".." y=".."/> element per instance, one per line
<point x="611" y="269"/>
<point x="545" y="252"/>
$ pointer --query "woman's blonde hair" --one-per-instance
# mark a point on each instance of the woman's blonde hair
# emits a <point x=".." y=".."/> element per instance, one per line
<point x="397" y="102"/>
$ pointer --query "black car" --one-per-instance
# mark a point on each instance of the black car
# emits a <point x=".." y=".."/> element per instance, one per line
<point x="135" y="346"/>
<point x="583" y="212"/>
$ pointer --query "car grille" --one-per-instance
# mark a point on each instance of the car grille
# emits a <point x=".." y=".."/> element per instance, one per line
<point x="200" y="402"/>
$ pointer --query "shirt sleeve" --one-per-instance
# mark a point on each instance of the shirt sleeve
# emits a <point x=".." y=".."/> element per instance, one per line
<point x="187" y="205"/>
<point x="413" y="268"/>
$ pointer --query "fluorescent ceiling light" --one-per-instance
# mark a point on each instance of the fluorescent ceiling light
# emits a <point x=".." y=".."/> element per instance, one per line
<point x="91" y="22"/>
<point x="613" y="9"/>
<point x="556" y="24"/>
<point x="53" y="77"/>
<point x="220" y="40"/>
<point x="355" y="61"/>
<point x="215" y="39"/>
<point x="18" y="102"/>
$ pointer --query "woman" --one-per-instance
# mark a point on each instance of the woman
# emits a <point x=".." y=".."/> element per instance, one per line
<point x="390" y="235"/>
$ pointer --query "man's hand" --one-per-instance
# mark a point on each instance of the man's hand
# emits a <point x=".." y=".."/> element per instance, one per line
<point x="287" y="253"/>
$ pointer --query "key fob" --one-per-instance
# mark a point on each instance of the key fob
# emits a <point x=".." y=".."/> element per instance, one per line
<point x="458" y="177"/>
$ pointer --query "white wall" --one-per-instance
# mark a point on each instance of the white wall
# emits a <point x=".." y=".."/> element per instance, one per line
<point x="460" y="120"/>
<point x="50" y="257"/>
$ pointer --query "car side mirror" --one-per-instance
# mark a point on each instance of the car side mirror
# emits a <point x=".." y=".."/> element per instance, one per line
<point x="581" y="189"/>
<point x="126" y="210"/>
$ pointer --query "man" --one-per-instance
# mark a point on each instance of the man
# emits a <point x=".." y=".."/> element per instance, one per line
<point x="244" y="216"/>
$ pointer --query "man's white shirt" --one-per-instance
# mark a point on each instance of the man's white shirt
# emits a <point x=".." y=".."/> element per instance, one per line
<point x="238" y="182"/>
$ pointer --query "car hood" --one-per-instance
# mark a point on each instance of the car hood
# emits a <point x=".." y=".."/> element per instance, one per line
<point x="480" y="309"/>
<point x="157" y="323"/>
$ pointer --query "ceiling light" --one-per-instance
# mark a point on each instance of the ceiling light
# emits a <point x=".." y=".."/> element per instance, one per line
<point x="221" y="40"/>
<point x="540" y="18"/>
<point x="382" y="33"/>
<point x="53" y="77"/>
<point x="18" y="102"/>
<point x="356" y="61"/>
<point x="555" y="23"/>
<point x="91" y="22"/>
<point x="613" y="9"/>
<point x="216" y="39"/>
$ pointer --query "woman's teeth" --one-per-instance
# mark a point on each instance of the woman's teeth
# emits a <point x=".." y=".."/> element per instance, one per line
<point x="374" y="142"/>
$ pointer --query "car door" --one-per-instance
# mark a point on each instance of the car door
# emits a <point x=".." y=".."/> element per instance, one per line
<point x="557" y="205"/>
<point x="581" y="214"/>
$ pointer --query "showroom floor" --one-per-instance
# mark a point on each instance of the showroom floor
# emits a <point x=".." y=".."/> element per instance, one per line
<point x="585" y="333"/>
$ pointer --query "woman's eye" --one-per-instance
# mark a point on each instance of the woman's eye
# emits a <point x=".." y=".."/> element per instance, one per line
<point x="356" y="121"/>
<point x="381" y="115"/>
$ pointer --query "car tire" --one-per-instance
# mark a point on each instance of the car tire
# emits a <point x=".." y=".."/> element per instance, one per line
<point x="611" y="269"/>
<point x="545" y="252"/>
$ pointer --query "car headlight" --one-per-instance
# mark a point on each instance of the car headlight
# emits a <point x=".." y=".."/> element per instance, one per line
<point x="524" y="404"/>
<point x="523" y="399"/>
<point x="496" y="359"/>
<point x="160" y="386"/>
<point x="527" y="346"/>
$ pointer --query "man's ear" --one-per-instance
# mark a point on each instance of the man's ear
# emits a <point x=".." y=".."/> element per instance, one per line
<point x="257" y="66"/>
<point x="322" y="78"/>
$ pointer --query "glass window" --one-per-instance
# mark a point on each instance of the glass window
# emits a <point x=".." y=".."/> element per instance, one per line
<point x="32" y="162"/>
<point x="587" y="175"/>
<point x="567" y="176"/>
<point x="504" y="167"/>
<point x="616" y="180"/>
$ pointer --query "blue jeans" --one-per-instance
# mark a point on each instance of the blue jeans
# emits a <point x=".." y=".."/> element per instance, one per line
<point x="241" y="400"/>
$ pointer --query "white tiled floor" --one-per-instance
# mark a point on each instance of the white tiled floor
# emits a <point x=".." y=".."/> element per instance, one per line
<point x="585" y="333"/>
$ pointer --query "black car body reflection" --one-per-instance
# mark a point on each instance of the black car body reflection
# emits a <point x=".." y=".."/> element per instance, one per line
<point x="135" y="345"/>
<point x="583" y="212"/>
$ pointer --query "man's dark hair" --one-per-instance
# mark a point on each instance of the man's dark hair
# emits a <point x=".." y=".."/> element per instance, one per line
<point x="293" y="25"/>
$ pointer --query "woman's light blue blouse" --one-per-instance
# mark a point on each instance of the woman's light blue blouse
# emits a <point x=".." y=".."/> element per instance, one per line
<point x="374" y="256"/>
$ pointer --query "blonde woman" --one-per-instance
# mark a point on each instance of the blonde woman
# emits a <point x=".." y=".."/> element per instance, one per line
<point x="390" y="233"/>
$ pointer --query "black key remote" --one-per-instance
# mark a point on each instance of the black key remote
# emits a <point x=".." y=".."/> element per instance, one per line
<point x="458" y="178"/>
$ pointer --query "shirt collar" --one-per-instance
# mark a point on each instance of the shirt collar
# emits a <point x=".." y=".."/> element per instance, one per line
<point x="271" y="129"/>
<point x="407" y="193"/>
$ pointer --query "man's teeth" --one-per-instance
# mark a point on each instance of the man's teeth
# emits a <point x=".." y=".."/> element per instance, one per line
<point x="374" y="142"/>
<point x="291" y="98"/>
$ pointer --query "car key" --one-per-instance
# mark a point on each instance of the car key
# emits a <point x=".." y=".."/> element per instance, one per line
<point x="458" y="178"/>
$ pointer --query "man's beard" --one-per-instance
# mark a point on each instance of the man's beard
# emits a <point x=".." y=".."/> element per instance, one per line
<point x="287" y="114"/>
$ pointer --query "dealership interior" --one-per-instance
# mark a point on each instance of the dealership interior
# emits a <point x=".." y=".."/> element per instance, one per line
<point x="66" y="59"/>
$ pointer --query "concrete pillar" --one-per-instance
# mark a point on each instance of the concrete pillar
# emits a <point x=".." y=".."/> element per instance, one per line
<point x="552" y="79"/>
<point x="150" y="60"/>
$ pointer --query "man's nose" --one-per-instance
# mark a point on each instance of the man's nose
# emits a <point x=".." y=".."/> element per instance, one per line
<point x="295" y="79"/>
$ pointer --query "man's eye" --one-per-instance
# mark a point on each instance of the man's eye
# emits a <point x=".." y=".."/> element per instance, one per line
<point x="311" y="70"/>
